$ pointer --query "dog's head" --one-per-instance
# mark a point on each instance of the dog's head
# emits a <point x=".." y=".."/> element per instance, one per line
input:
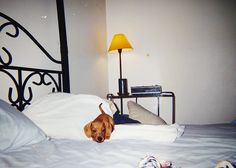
<point x="100" y="128"/>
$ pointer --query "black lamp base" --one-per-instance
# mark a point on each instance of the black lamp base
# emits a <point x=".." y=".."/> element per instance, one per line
<point x="123" y="87"/>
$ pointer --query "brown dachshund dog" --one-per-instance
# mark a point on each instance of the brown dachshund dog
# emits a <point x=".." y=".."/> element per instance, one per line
<point x="100" y="128"/>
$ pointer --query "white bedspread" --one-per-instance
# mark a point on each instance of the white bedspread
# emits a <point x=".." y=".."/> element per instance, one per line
<point x="198" y="147"/>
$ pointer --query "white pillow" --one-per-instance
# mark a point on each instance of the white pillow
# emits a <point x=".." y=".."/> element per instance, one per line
<point x="16" y="129"/>
<point x="138" y="112"/>
<point x="64" y="115"/>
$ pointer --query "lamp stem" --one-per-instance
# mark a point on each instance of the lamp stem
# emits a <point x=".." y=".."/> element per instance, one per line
<point x="120" y="51"/>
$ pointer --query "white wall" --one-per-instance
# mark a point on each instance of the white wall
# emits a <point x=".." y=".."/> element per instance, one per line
<point x="86" y="27"/>
<point x="187" y="46"/>
<point x="86" y="36"/>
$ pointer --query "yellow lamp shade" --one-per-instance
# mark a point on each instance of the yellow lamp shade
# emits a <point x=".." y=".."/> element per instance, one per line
<point x="119" y="41"/>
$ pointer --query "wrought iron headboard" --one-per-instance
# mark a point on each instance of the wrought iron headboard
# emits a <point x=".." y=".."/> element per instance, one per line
<point x="59" y="79"/>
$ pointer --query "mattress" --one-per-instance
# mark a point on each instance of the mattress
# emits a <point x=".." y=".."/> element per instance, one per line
<point x="199" y="146"/>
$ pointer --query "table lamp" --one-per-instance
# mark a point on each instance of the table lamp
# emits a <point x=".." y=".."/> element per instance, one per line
<point x="120" y="43"/>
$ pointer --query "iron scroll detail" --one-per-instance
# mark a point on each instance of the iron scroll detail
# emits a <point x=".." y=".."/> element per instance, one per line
<point x="24" y="78"/>
<point x="17" y="26"/>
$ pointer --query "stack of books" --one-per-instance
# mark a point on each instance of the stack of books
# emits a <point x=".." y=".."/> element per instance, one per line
<point x="141" y="90"/>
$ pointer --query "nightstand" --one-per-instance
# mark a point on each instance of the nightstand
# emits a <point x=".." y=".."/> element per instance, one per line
<point x="136" y="96"/>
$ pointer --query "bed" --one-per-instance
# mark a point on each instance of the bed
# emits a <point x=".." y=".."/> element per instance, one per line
<point x="48" y="131"/>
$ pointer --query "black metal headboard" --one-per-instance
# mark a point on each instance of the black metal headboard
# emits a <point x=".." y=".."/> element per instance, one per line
<point x="58" y="80"/>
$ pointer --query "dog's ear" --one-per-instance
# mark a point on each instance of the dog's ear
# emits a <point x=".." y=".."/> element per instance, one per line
<point x="87" y="130"/>
<point x="108" y="131"/>
<point x="112" y="123"/>
<point x="109" y="128"/>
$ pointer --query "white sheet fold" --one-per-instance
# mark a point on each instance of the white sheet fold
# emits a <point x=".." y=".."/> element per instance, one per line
<point x="157" y="133"/>
<point x="64" y="115"/>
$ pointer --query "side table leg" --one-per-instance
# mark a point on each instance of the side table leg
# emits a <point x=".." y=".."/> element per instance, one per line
<point x="173" y="109"/>
<point x="121" y="105"/>
<point x="158" y="106"/>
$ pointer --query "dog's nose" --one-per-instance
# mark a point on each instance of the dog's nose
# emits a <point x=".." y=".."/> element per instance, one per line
<point x="99" y="139"/>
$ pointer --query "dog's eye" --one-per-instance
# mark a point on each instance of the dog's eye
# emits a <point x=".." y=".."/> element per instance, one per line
<point x="94" y="130"/>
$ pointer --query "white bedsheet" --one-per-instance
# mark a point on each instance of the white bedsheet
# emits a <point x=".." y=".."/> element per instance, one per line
<point x="199" y="147"/>
<point x="156" y="133"/>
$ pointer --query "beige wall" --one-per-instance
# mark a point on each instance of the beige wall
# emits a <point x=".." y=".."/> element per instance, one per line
<point x="86" y="36"/>
<point x="187" y="46"/>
